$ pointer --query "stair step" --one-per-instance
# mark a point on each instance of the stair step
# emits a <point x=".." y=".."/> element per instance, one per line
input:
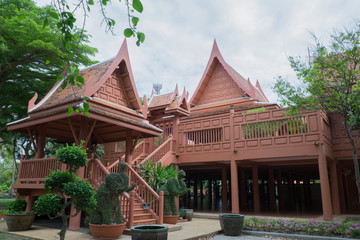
<point x="144" y="222"/>
<point x="142" y="216"/>
<point x="139" y="211"/>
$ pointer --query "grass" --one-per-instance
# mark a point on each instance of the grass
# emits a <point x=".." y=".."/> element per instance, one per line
<point x="8" y="236"/>
<point x="5" y="201"/>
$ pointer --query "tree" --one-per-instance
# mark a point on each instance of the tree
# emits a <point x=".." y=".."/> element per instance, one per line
<point x="66" y="184"/>
<point x="330" y="82"/>
<point x="31" y="57"/>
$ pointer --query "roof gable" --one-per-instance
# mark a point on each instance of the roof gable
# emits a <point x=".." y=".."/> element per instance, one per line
<point x="221" y="82"/>
<point x="96" y="78"/>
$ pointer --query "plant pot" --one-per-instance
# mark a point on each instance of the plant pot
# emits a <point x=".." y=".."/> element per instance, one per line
<point x="189" y="214"/>
<point x="149" y="232"/>
<point x="171" y="219"/>
<point x="107" y="231"/>
<point x="232" y="224"/>
<point x="19" y="222"/>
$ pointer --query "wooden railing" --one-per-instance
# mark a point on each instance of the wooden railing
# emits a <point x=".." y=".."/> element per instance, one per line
<point x="36" y="170"/>
<point x="161" y="151"/>
<point x="147" y="196"/>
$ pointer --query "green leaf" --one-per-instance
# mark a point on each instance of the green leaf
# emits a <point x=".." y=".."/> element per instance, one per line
<point x="80" y="79"/>
<point x="128" y="32"/>
<point x="104" y="2"/>
<point x="137" y="5"/>
<point x="141" y="36"/>
<point x="59" y="78"/>
<point x="135" y="20"/>
<point x="70" y="111"/>
<point x="46" y="22"/>
<point x="91" y="2"/>
<point x="54" y="14"/>
<point x="21" y="17"/>
<point x="47" y="62"/>
<point x="86" y="107"/>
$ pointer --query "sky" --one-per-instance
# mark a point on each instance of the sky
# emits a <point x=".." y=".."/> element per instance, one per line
<point x="255" y="37"/>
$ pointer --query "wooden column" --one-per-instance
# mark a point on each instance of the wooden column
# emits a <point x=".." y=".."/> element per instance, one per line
<point x="243" y="198"/>
<point x="128" y="146"/>
<point x="256" y="195"/>
<point x="279" y="187"/>
<point x="29" y="203"/>
<point x="325" y="188"/>
<point x="195" y="193"/>
<point x="176" y="122"/>
<point x="210" y="193"/>
<point x="201" y="190"/>
<point x="334" y="188"/>
<point x="272" y="201"/>
<point x="234" y="187"/>
<point x="291" y="190"/>
<point x="41" y="141"/>
<point x="341" y="190"/>
<point x="224" y="189"/>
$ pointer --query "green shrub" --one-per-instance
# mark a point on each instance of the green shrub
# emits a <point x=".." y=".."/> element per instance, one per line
<point x="16" y="206"/>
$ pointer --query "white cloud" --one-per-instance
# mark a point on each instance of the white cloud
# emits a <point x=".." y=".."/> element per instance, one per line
<point x="254" y="36"/>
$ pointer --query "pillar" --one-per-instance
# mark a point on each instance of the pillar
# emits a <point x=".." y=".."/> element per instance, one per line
<point x="341" y="191"/>
<point x="175" y="131"/>
<point x="234" y="187"/>
<point x="195" y="193"/>
<point x="256" y="195"/>
<point x="210" y="193"/>
<point x="224" y="189"/>
<point x="243" y="198"/>
<point x="334" y="188"/>
<point x="291" y="190"/>
<point x="29" y="203"/>
<point x="325" y="188"/>
<point x="128" y="146"/>
<point x="41" y="141"/>
<point x="279" y="186"/>
<point x="201" y="190"/>
<point x="272" y="201"/>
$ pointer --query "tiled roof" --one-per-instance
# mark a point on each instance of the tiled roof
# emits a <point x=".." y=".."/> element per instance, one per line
<point x="160" y="100"/>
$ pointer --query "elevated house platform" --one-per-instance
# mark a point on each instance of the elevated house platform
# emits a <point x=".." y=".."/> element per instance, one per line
<point x="241" y="153"/>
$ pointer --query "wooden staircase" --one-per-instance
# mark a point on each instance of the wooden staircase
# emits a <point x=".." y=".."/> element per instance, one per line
<point x="141" y="215"/>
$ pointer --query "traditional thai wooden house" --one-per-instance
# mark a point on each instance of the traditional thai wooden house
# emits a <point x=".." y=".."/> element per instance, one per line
<point x="241" y="153"/>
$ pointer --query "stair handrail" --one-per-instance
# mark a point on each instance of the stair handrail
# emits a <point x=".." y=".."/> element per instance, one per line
<point x="113" y="167"/>
<point x="147" y="195"/>
<point x="96" y="173"/>
<point x="167" y="143"/>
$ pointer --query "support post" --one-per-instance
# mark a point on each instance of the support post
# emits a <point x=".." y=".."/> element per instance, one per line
<point x="224" y="199"/>
<point x="325" y="188"/>
<point x="234" y="187"/>
<point x="161" y="208"/>
<point x="128" y="147"/>
<point x="41" y="142"/>
<point x="29" y="203"/>
<point x="341" y="190"/>
<point x="131" y="210"/>
<point x="334" y="188"/>
<point x="272" y="201"/>
<point x="256" y="195"/>
<point x="279" y="187"/>
<point x="243" y="197"/>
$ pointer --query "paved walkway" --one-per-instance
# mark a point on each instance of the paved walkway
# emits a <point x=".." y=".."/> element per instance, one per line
<point x="206" y="228"/>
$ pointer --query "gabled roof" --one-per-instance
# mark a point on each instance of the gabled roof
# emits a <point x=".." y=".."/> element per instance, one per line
<point x="245" y="85"/>
<point x="95" y="77"/>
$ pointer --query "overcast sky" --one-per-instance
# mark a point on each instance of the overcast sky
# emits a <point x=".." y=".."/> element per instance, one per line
<point x="254" y="36"/>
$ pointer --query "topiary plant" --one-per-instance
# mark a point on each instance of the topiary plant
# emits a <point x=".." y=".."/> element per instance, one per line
<point x="64" y="185"/>
<point x="174" y="187"/>
<point x="108" y="209"/>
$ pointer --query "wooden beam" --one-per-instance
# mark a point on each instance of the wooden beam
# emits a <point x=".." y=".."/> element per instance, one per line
<point x="31" y="139"/>
<point x="76" y="139"/>
<point x="90" y="132"/>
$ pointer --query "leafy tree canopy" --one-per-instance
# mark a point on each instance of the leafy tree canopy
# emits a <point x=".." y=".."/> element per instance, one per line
<point x="32" y="56"/>
<point x="330" y="81"/>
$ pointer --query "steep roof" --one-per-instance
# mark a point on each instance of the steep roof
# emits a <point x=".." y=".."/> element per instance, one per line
<point x="95" y="77"/>
<point x="232" y="84"/>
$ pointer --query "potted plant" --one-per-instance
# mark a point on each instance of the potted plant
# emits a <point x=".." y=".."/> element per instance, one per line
<point x="149" y="232"/>
<point x="174" y="187"/>
<point x="105" y="220"/>
<point x="231" y="224"/>
<point x="66" y="188"/>
<point x="16" y="217"/>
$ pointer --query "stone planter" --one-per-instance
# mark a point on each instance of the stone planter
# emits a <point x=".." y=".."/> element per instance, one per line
<point x="19" y="222"/>
<point x="189" y="214"/>
<point x="171" y="219"/>
<point x="149" y="232"/>
<point x="107" y="231"/>
<point x="232" y="224"/>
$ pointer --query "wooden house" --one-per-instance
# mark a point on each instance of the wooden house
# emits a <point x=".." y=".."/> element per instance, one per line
<point x="241" y="153"/>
